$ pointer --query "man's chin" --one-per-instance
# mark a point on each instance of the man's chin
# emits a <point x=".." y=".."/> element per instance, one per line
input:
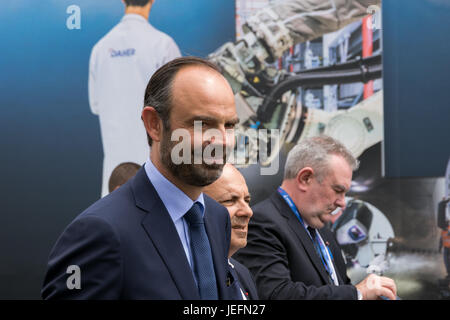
<point x="324" y="219"/>
<point x="318" y="224"/>
<point x="214" y="166"/>
<point x="203" y="175"/>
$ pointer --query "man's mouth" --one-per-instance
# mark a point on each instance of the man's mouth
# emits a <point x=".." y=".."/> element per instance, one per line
<point x="240" y="229"/>
<point x="335" y="211"/>
<point x="213" y="161"/>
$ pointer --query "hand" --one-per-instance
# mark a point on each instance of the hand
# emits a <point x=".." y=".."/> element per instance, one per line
<point x="373" y="286"/>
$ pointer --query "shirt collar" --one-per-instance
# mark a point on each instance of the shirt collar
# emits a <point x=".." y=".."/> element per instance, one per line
<point x="176" y="201"/>
<point x="134" y="16"/>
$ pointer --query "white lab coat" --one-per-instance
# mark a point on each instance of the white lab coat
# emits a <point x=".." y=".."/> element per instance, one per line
<point x="120" y="67"/>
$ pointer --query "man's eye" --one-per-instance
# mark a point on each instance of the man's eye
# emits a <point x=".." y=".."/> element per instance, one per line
<point x="230" y="126"/>
<point x="199" y="123"/>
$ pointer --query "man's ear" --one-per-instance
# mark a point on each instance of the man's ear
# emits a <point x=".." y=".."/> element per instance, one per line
<point x="152" y="123"/>
<point x="304" y="178"/>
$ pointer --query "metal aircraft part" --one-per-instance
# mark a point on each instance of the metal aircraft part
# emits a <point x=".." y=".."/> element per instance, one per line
<point x="359" y="127"/>
<point x="363" y="232"/>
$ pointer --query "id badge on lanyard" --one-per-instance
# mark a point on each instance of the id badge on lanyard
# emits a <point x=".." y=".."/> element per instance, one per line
<point x="294" y="209"/>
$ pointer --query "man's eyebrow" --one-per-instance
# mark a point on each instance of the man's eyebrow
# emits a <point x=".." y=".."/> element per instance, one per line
<point x="224" y="194"/>
<point x="234" y="121"/>
<point x="209" y="119"/>
<point x="340" y="187"/>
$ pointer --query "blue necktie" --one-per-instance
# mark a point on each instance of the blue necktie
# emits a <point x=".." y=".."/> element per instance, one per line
<point x="201" y="252"/>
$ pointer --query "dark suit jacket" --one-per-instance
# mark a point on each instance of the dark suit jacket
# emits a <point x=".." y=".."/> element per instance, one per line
<point x="127" y="247"/>
<point x="282" y="258"/>
<point x="246" y="281"/>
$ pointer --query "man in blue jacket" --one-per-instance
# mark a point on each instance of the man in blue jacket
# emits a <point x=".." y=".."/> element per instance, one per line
<point x="158" y="236"/>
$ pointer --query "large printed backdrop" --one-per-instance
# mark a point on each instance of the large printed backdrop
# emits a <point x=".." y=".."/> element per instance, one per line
<point x="52" y="153"/>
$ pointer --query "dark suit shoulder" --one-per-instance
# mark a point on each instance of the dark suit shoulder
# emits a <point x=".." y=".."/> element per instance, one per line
<point x="213" y="206"/>
<point x="263" y="205"/>
<point x="266" y="211"/>
<point x="219" y="216"/>
<point x="105" y="207"/>
<point x="119" y="210"/>
<point x="240" y="268"/>
<point x="93" y="246"/>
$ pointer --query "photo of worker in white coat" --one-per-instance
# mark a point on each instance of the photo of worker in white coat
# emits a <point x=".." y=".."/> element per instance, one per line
<point x="120" y="66"/>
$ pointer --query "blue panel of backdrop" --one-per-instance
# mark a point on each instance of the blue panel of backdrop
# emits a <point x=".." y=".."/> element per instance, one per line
<point x="51" y="151"/>
<point x="416" y="75"/>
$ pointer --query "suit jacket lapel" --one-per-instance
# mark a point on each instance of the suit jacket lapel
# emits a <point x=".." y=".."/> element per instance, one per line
<point x="218" y="254"/>
<point x="301" y="233"/>
<point x="162" y="232"/>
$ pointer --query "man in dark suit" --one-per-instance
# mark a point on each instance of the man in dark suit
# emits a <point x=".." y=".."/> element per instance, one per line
<point x="158" y="236"/>
<point x="231" y="191"/>
<point x="289" y="252"/>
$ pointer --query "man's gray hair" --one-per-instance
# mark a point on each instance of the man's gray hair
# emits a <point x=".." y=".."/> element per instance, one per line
<point x="315" y="152"/>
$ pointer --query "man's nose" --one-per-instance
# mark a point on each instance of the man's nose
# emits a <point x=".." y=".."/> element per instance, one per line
<point x="244" y="210"/>
<point x="218" y="136"/>
<point x="340" y="202"/>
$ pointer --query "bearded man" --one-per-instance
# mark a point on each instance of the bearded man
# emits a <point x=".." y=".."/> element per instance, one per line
<point x="158" y="236"/>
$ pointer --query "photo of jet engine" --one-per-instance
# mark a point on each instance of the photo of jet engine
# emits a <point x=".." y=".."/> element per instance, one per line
<point x="306" y="88"/>
<point x="295" y="70"/>
<point x="363" y="232"/>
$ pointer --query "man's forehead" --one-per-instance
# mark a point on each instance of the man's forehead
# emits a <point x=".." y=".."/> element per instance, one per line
<point x="340" y="171"/>
<point x="231" y="179"/>
<point x="195" y="72"/>
<point x="339" y="162"/>
<point x="233" y="190"/>
<point x="198" y="87"/>
<point x="213" y="117"/>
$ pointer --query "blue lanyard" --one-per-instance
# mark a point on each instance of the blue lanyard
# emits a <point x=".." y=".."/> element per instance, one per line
<point x="294" y="209"/>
